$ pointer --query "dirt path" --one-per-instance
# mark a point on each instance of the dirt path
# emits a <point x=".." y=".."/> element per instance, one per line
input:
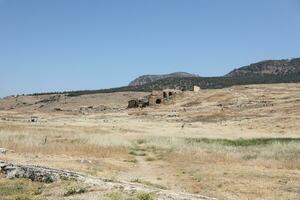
<point x="142" y="170"/>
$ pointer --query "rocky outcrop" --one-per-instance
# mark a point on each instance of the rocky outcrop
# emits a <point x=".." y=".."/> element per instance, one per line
<point x="37" y="173"/>
<point x="45" y="174"/>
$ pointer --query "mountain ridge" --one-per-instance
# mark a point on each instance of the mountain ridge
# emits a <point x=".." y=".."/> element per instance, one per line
<point x="281" y="67"/>
<point x="263" y="72"/>
<point x="145" y="79"/>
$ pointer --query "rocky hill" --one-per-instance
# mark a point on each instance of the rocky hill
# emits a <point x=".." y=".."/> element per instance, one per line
<point x="264" y="72"/>
<point x="145" y="79"/>
<point x="269" y="67"/>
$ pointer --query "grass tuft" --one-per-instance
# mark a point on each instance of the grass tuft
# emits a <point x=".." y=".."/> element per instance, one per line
<point x="72" y="191"/>
<point x="116" y="195"/>
<point x="144" y="196"/>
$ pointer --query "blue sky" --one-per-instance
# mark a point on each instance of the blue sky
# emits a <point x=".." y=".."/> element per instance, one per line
<point x="56" y="45"/>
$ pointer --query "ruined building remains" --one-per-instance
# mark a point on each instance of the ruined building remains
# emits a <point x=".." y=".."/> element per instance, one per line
<point x="155" y="98"/>
<point x="196" y="88"/>
<point x="138" y="103"/>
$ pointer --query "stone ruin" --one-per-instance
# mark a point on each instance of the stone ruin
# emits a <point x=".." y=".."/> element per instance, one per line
<point x="155" y="98"/>
<point x="197" y="88"/>
<point x="138" y="103"/>
<point x="33" y="119"/>
<point x="161" y="96"/>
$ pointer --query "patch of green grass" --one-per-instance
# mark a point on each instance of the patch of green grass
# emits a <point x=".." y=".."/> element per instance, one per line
<point x="144" y="196"/>
<point x="197" y="178"/>
<point x="242" y="142"/>
<point x="72" y="191"/>
<point x="137" y="148"/>
<point x="249" y="157"/>
<point x="136" y="180"/>
<point x="141" y="141"/>
<point x="38" y="191"/>
<point x="109" y="179"/>
<point x="133" y="160"/>
<point x="137" y="153"/>
<point x="150" y="158"/>
<point x="17" y="187"/>
<point x="116" y="195"/>
<point x="23" y="198"/>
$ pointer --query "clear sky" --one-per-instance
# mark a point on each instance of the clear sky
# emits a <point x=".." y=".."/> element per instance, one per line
<point x="56" y="45"/>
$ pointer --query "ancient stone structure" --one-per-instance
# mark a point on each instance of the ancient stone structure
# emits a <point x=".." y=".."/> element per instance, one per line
<point x="161" y="96"/>
<point x="133" y="103"/>
<point x="138" y="103"/>
<point x="33" y="119"/>
<point x="196" y="88"/>
<point x="155" y="98"/>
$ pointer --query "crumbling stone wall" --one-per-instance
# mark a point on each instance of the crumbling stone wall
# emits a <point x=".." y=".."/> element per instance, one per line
<point x="138" y="103"/>
<point x="155" y="98"/>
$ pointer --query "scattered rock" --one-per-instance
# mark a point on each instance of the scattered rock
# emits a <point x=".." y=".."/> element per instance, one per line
<point x="4" y="151"/>
<point x="86" y="161"/>
<point x="183" y="125"/>
<point x="49" y="99"/>
<point x="33" y="119"/>
<point x="37" y="173"/>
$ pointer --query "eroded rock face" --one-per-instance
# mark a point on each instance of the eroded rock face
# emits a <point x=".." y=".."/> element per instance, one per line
<point x="37" y="173"/>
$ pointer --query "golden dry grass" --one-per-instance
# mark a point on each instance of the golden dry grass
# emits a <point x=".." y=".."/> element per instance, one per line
<point x="164" y="145"/>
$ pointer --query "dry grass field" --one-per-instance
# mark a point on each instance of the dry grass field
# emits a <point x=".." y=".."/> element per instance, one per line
<point x="241" y="142"/>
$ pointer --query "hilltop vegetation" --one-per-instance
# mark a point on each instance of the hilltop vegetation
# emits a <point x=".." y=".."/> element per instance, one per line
<point x="218" y="82"/>
<point x="270" y="67"/>
<point x="204" y="82"/>
<point x="188" y="83"/>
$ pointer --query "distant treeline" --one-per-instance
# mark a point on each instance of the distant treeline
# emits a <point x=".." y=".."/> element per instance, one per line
<point x="220" y="82"/>
<point x="188" y="83"/>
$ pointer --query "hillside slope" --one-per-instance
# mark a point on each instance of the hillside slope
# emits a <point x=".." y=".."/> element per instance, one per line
<point x="187" y="83"/>
<point x="145" y="79"/>
<point x="269" y="67"/>
<point x="217" y="82"/>
<point x="265" y="72"/>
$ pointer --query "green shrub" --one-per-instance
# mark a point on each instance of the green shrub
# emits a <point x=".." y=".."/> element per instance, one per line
<point x="144" y="196"/>
<point x="72" y="191"/>
<point x="22" y="198"/>
<point x="115" y="195"/>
